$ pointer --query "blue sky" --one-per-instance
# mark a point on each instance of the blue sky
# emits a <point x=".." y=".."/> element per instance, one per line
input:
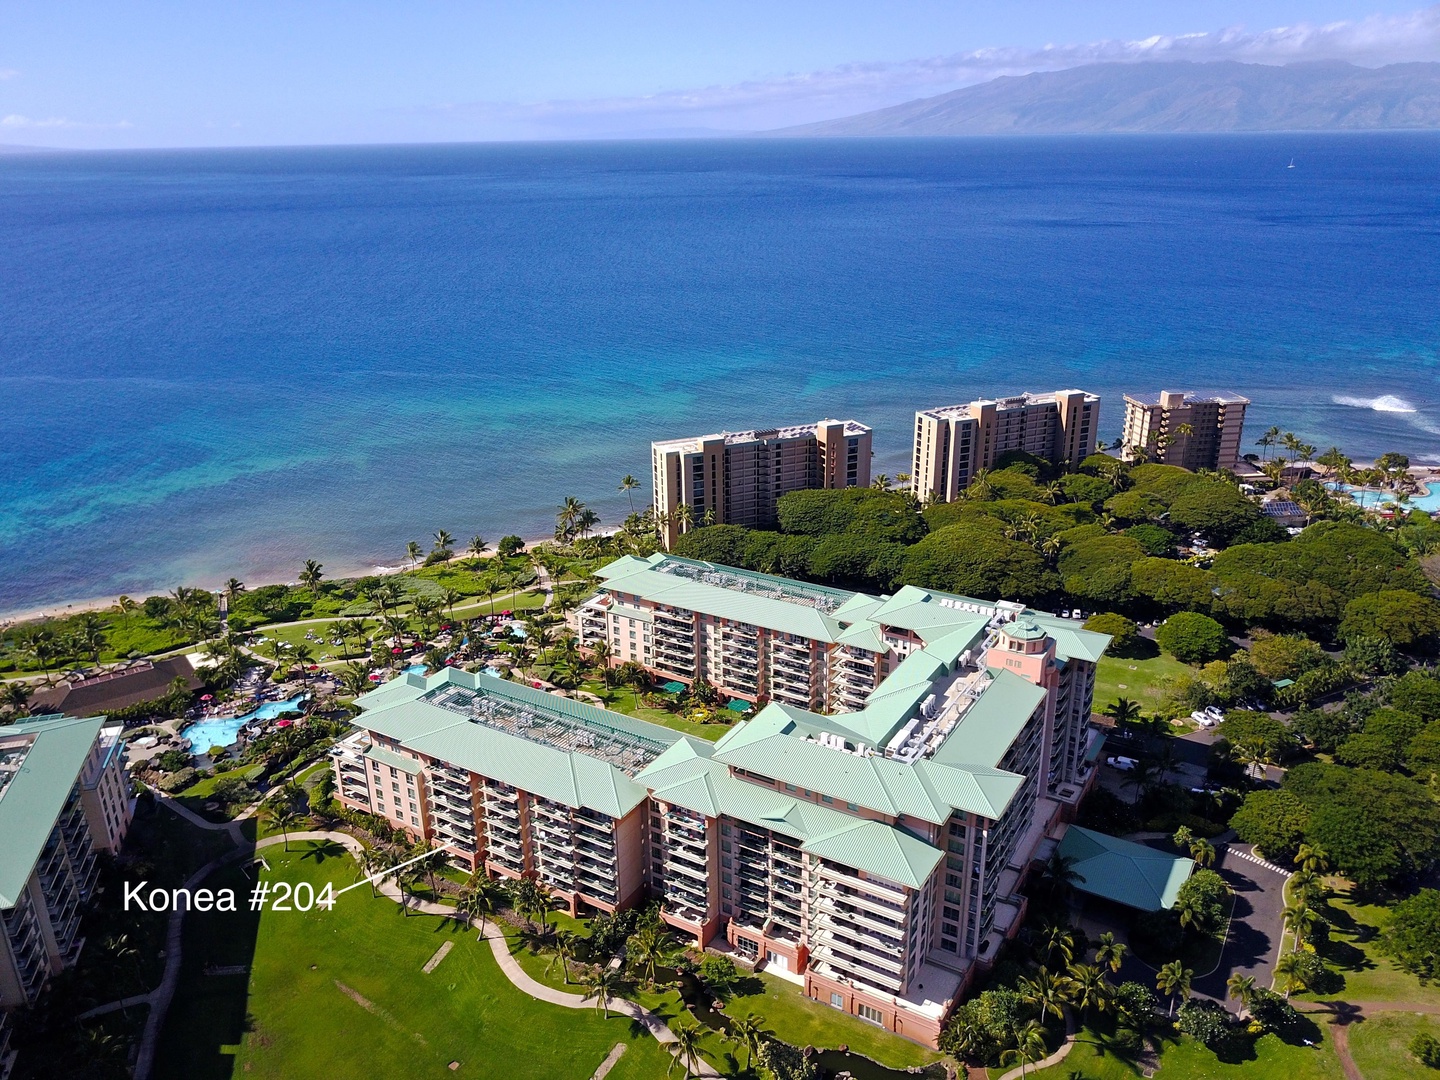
<point x="262" y="72"/>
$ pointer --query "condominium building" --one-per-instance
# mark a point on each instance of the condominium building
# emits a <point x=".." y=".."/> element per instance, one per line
<point x="1192" y="429"/>
<point x="64" y="796"/>
<point x="865" y="834"/>
<point x="955" y="442"/>
<point x="737" y="477"/>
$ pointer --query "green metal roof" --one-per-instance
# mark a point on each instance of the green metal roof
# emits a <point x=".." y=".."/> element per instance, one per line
<point x="773" y="744"/>
<point x="990" y="725"/>
<point x="672" y="687"/>
<point x="389" y="757"/>
<point x="402" y="712"/>
<point x="688" y="775"/>
<point x="1127" y="873"/>
<point x="31" y="802"/>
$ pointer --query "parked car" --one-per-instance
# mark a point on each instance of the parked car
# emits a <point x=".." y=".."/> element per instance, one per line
<point x="1204" y="719"/>
<point x="1215" y="713"/>
<point x="1124" y="764"/>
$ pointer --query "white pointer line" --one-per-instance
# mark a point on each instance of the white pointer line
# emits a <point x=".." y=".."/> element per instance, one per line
<point x="390" y="871"/>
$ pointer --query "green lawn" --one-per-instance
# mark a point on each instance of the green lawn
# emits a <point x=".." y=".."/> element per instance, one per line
<point x="341" y="993"/>
<point x="785" y="1011"/>
<point x="1189" y="1060"/>
<point x="1138" y="680"/>
<point x="623" y="701"/>
<point x="1351" y="950"/>
<point x="1380" y="1045"/>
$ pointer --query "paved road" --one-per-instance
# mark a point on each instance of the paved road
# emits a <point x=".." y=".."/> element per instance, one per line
<point x="1253" y="944"/>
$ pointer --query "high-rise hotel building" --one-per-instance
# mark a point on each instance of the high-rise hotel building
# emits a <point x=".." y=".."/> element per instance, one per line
<point x="64" y="796"/>
<point x="1192" y="429"/>
<point x="738" y="476"/>
<point x="955" y="442"/>
<point x="865" y="834"/>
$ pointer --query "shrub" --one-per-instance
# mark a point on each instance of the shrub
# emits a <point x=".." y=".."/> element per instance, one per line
<point x="1405" y="619"/>
<point x="1205" y="1021"/>
<point x="1271" y="1011"/>
<point x="173" y="760"/>
<point x="1158" y="933"/>
<point x="178" y="781"/>
<point x="1209" y="896"/>
<point x="1192" y="638"/>
<point x="1426" y="1049"/>
<point x="719" y="975"/>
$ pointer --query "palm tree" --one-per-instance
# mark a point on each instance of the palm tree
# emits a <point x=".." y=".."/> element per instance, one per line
<point x="1173" y="980"/>
<point x="1287" y="968"/>
<point x="1300" y="919"/>
<point x="601" y="985"/>
<point x="881" y="482"/>
<point x="1140" y="776"/>
<point x="628" y="484"/>
<point x="477" y="547"/>
<point x="372" y="861"/>
<point x="279" y="814"/>
<point x="1123" y="711"/>
<point x="302" y="654"/>
<point x="1190" y="910"/>
<point x="684" y="516"/>
<point x="748" y="1032"/>
<point x="1110" y="951"/>
<point x="648" y="948"/>
<point x="15" y="696"/>
<point x="1089" y="988"/>
<point x="310" y="576"/>
<point x="414" y="552"/>
<point x="1241" y="988"/>
<point x="1267" y="440"/>
<point x="1202" y="851"/>
<point x="124" y="605"/>
<point x="1046" y="992"/>
<point x="687" y="1045"/>
<point x="1029" y="1045"/>
<point x="444" y="543"/>
<point x="1059" y="874"/>
<point x="565" y="942"/>
<point x="484" y="896"/>
<point x="448" y="599"/>
<point x="1312" y="857"/>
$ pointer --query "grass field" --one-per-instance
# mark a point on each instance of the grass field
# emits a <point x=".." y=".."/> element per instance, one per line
<point x="342" y="993"/>
<point x="1139" y="680"/>
<point x="1187" y="1059"/>
<point x="623" y="701"/>
<point x="1380" y="1045"/>
<point x="1351" y="950"/>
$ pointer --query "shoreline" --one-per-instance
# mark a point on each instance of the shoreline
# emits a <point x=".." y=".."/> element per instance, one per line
<point x="65" y="609"/>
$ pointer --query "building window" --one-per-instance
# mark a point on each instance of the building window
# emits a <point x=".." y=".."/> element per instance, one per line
<point x="837" y="1001"/>
<point x="867" y="1012"/>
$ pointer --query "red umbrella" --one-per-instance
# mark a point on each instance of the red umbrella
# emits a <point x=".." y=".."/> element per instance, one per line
<point x="375" y="676"/>
<point x="505" y="613"/>
<point x="539" y="685"/>
<point x="314" y="667"/>
<point x="207" y="697"/>
<point x="283" y="723"/>
<point x="397" y="650"/>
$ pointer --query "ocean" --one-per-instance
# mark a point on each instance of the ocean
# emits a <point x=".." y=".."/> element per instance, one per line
<point x="222" y="363"/>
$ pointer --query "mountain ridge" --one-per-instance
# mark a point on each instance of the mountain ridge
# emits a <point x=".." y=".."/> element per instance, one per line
<point x="1163" y="96"/>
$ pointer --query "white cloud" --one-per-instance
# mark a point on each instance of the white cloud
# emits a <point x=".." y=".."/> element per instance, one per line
<point x="8" y="73"/>
<point x="791" y="98"/>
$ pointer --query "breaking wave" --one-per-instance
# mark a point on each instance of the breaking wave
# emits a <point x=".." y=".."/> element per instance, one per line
<point x="1384" y="403"/>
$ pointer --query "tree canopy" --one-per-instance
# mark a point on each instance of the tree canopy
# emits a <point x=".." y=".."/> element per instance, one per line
<point x="1192" y="638"/>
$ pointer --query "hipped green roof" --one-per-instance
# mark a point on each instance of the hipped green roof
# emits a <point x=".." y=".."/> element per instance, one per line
<point x="1127" y="873"/>
<point x="690" y="775"/>
<point x="31" y="803"/>
<point x="399" y="711"/>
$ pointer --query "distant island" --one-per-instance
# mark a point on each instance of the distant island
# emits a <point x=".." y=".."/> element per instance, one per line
<point x="1164" y="97"/>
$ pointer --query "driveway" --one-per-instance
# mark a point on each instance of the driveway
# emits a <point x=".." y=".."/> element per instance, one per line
<point x="1256" y="926"/>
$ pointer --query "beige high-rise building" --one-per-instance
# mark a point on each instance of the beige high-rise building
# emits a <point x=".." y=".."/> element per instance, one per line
<point x="1192" y="429"/>
<point x="955" y="442"/>
<point x="737" y="477"/>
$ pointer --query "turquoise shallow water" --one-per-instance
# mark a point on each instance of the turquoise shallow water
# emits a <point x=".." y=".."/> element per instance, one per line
<point x="223" y="363"/>
<point x="223" y="731"/>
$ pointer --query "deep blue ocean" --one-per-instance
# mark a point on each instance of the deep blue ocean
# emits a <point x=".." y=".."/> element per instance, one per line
<point x="218" y="363"/>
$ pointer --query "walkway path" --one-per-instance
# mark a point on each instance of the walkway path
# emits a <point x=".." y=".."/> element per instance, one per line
<point x="1346" y="1013"/>
<point x="160" y="998"/>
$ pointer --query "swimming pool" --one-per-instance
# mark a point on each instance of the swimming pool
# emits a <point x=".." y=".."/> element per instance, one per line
<point x="223" y="731"/>
<point x="1429" y="501"/>
<point x="494" y="673"/>
<point x="416" y="669"/>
